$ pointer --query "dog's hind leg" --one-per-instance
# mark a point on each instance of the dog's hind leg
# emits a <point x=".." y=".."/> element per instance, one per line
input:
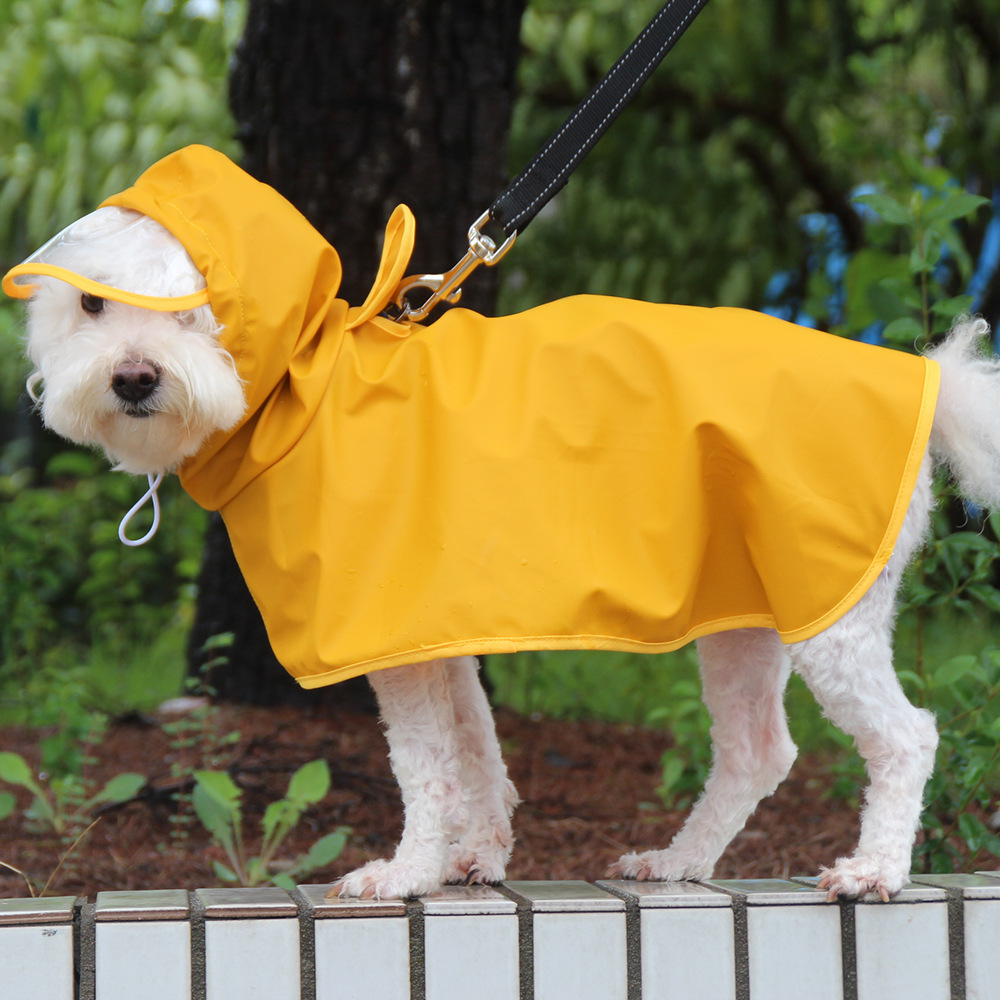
<point x="419" y="720"/>
<point x="849" y="670"/>
<point x="744" y="674"/>
<point x="482" y="851"/>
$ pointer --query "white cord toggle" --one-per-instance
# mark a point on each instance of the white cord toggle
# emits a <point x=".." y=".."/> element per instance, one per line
<point x="150" y="494"/>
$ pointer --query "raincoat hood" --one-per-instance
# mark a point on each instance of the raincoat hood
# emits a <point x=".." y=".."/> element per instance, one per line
<point x="593" y="473"/>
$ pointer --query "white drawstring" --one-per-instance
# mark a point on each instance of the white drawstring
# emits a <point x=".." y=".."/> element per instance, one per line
<point x="150" y="494"/>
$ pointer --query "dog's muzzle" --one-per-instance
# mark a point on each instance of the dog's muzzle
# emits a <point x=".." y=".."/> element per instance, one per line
<point x="134" y="383"/>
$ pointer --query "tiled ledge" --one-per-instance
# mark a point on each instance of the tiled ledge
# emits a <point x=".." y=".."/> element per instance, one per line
<point x="721" y="940"/>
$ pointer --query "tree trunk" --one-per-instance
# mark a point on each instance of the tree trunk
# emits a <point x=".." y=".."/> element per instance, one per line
<point x="348" y="109"/>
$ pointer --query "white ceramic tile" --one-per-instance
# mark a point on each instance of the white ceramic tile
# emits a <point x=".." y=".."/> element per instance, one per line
<point x="687" y="953"/>
<point x="252" y="959"/>
<point x="148" y="959"/>
<point x="902" y="950"/>
<point x="362" y="958"/>
<point x="580" y="956"/>
<point x="471" y="956"/>
<point x="36" y="961"/>
<point x="982" y="949"/>
<point x="795" y="951"/>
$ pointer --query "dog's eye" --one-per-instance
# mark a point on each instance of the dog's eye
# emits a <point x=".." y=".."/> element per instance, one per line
<point x="91" y="304"/>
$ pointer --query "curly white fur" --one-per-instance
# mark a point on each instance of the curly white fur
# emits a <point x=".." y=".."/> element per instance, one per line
<point x="457" y="798"/>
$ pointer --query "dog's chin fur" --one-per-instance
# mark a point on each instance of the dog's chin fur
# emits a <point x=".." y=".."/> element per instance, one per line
<point x="76" y="353"/>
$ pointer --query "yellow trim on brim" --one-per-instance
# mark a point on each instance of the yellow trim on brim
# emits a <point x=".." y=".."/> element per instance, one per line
<point x="159" y="303"/>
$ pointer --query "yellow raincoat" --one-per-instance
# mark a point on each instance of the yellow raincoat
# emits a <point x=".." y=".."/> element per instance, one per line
<point x="596" y="472"/>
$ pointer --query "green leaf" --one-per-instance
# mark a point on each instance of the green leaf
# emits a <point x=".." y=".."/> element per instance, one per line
<point x="903" y="331"/>
<point x="888" y="304"/>
<point x="224" y="873"/>
<point x="950" y="308"/>
<point x="956" y="206"/>
<point x="120" y="788"/>
<point x="14" y="770"/>
<point x="972" y="829"/>
<point x="214" y="816"/>
<point x="325" y="851"/>
<point x="7" y="804"/>
<point x="953" y="670"/>
<point x="279" y="818"/>
<point x="310" y="782"/>
<point x="221" y="788"/>
<point x="888" y="208"/>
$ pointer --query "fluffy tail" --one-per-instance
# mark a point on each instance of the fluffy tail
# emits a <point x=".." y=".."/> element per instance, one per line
<point x="966" y="434"/>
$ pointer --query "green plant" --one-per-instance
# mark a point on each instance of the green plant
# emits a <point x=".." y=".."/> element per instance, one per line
<point x="217" y="802"/>
<point x="965" y="691"/>
<point x="904" y="277"/>
<point x="196" y="738"/>
<point x="63" y="804"/>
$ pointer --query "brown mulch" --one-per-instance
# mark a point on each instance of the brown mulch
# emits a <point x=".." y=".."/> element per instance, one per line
<point x="588" y="791"/>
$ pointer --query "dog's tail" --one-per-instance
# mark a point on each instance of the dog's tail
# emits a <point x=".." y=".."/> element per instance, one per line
<point x="966" y="434"/>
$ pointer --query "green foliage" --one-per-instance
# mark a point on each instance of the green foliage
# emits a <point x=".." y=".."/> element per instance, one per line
<point x="217" y="803"/>
<point x="898" y="278"/>
<point x="761" y="114"/>
<point x="587" y="684"/>
<point x="965" y="694"/>
<point x="69" y="590"/>
<point x="91" y="93"/>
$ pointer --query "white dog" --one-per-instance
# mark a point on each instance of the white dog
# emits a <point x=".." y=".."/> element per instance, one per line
<point x="149" y="387"/>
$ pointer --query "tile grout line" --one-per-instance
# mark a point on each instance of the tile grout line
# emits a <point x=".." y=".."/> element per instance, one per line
<point x="956" y="941"/>
<point x="525" y="941"/>
<point x="849" y="948"/>
<point x="418" y="972"/>
<point x="196" y="919"/>
<point x="307" y="945"/>
<point x="85" y="950"/>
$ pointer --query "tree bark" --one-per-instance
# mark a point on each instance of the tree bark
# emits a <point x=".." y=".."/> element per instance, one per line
<point x="348" y="109"/>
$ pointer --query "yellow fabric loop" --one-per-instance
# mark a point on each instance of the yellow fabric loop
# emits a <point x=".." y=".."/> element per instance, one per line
<point x="400" y="233"/>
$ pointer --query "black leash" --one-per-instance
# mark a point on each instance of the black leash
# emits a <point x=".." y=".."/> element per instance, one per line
<point x="551" y="167"/>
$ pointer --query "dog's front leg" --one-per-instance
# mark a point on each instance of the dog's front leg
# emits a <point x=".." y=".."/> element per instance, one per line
<point x="419" y="719"/>
<point x="482" y="852"/>
<point x="743" y="681"/>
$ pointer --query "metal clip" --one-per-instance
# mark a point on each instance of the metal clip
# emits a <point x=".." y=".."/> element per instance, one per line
<point x="447" y="287"/>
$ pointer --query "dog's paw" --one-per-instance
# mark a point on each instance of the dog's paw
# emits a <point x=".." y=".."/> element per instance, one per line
<point x="660" y="866"/>
<point x="476" y="867"/>
<point x="851" y="878"/>
<point x="387" y="880"/>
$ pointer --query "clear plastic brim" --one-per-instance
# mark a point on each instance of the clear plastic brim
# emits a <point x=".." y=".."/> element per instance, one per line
<point x="79" y="244"/>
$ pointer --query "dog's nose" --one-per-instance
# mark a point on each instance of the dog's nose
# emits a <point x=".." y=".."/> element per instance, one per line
<point x="134" y="381"/>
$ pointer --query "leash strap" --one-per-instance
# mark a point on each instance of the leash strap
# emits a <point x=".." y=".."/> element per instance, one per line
<point x="551" y="167"/>
<point x="549" y="171"/>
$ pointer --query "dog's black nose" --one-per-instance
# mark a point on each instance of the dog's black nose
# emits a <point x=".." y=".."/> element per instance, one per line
<point x="134" y="381"/>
